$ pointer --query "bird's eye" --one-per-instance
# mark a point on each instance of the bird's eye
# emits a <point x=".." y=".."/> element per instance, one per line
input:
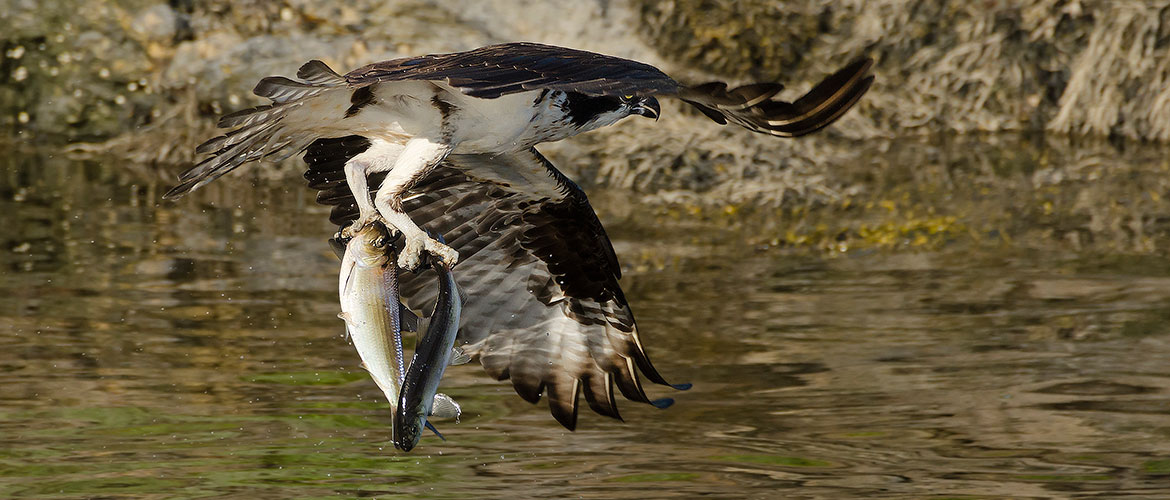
<point x="627" y="97"/>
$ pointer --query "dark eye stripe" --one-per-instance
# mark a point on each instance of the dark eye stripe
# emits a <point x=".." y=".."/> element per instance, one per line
<point x="582" y="108"/>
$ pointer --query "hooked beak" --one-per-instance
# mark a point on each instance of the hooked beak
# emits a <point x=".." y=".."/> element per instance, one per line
<point x="648" y="107"/>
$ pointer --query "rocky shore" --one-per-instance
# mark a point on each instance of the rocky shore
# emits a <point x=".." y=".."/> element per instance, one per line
<point x="145" y="79"/>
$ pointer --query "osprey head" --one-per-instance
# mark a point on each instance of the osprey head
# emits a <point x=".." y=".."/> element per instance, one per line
<point x="646" y="106"/>
<point x="588" y="112"/>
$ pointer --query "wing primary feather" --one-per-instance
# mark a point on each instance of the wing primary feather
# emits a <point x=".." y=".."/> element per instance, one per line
<point x="840" y="82"/>
<point x="528" y="389"/>
<point x="598" y="392"/>
<point x="563" y="404"/>
<point x="752" y="106"/>
<point x="627" y="382"/>
<point x="319" y="73"/>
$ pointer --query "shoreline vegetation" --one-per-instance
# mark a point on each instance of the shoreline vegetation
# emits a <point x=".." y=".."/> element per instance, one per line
<point x="1002" y="193"/>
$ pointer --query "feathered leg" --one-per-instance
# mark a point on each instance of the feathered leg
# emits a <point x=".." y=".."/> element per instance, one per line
<point x="417" y="159"/>
<point x="381" y="156"/>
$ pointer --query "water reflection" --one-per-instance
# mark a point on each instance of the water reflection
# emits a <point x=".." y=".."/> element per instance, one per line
<point x="192" y="350"/>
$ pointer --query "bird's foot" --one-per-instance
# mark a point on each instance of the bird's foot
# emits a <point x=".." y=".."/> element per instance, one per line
<point x="361" y="222"/>
<point x="417" y="243"/>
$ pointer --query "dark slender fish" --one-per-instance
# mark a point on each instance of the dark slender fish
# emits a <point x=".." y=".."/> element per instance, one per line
<point x="418" y="397"/>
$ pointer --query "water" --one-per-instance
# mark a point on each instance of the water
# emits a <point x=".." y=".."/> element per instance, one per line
<point x="191" y="350"/>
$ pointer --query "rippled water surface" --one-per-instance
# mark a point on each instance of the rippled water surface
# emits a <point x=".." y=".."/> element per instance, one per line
<point x="192" y="350"/>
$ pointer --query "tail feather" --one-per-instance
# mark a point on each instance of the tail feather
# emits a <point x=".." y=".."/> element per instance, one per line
<point x="261" y="131"/>
<point x="274" y="143"/>
<point x="217" y="144"/>
<point x="292" y="146"/>
<point x="245" y="117"/>
<point x="252" y="147"/>
<point x="752" y="106"/>
<point x="319" y="73"/>
<point x="282" y="90"/>
<point x="206" y="171"/>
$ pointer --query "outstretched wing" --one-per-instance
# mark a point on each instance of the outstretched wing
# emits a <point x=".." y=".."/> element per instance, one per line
<point x="545" y="308"/>
<point x="507" y="68"/>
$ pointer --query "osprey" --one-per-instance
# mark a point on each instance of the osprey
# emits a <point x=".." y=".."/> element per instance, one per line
<point x="446" y="142"/>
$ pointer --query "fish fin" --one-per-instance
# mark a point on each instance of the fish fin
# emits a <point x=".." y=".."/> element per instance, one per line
<point x="459" y="357"/>
<point x="365" y="366"/>
<point x="345" y="317"/>
<point x="445" y="407"/>
<point x="338" y="247"/>
<point x="436" y="431"/>
<point x="408" y="319"/>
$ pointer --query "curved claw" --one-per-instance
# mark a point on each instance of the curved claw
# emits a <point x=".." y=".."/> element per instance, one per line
<point x="413" y="248"/>
<point x="444" y="254"/>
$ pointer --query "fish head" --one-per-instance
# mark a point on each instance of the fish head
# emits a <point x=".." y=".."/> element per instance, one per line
<point x="408" y="428"/>
<point x="370" y="246"/>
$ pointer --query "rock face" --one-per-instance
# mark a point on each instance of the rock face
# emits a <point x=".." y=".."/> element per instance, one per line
<point x="1077" y="67"/>
<point x="757" y="39"/>
<point x="72" y="69"/>
<point x="143" y="73"/>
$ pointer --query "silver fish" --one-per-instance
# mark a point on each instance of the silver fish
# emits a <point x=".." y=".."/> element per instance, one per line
<point x="374" y="317"/>
<point x="368" y="288"/>
<point x="432" y="355"/>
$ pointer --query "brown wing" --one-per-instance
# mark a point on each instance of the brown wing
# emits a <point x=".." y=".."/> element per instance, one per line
<point x="507" y="68"/>
<point x="544" y="309"/>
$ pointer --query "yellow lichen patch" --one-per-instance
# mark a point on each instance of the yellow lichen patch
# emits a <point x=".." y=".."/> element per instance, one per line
<point x="926" y="232"/>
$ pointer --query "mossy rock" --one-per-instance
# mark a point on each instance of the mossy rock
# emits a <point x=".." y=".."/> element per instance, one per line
<point x="757" y="38"/>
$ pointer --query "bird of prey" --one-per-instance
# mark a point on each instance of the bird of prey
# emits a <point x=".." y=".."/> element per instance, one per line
<point x="497" y="99"/>
<point x="446" y="142"/>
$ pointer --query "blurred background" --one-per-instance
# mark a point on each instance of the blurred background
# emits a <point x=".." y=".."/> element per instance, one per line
<point x="960" y="289"/>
